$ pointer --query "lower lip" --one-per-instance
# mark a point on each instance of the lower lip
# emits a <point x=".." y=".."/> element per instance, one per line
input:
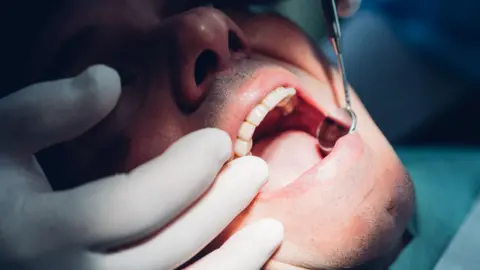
<point x="347" y="150"/>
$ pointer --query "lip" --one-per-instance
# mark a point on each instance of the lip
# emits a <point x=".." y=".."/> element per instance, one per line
<point x="347" y="150"/>
<point x="252" y="92"/>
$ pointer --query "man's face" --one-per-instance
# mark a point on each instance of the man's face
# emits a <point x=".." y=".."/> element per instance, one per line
<point x="186" y="67"/>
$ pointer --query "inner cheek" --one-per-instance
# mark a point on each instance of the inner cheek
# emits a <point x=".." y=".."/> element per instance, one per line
<point x="297" y="49"/>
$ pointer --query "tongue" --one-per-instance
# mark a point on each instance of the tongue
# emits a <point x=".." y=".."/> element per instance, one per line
<point x="289" y="155"/>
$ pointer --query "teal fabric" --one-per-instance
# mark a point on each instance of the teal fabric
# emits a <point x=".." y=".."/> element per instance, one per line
<point x="444" y="30"/>
<point x="447" y="182"/>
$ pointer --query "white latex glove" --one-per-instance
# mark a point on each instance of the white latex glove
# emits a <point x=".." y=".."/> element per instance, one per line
<point x="42" y="229"/>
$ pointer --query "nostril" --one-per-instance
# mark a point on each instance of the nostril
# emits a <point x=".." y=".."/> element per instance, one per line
<point x="207" y="62"/>
<point x="235" y="44"/>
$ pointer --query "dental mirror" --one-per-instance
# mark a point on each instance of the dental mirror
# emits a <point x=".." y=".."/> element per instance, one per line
<point x="333" y="128"/>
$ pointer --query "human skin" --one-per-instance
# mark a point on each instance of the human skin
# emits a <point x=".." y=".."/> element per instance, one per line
<point x="345" y="210"/>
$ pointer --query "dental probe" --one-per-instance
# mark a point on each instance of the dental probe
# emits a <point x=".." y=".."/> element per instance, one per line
<point x="334" y="34"/>
<point x="332" y="22"/>
<point x="329" y="131"/>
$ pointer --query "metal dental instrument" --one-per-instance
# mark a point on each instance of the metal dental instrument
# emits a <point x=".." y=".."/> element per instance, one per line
<point x="334" y="34"/>
<point x="328" y="132"/>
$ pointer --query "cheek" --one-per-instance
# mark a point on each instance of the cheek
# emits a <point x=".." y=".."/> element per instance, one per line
<point x="298" y="49"/>
<point x="341" y="223"/>
<point x="156" y="125"/>
<point x="160" y="123"/>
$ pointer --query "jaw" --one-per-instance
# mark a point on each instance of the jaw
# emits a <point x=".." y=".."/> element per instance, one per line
<point x="346" y="209"/>
<point x="383" y="262"/>
<point x="324" y="230"/>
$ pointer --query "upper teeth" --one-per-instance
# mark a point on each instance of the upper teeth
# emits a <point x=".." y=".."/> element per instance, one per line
<point x="279" y="97"/>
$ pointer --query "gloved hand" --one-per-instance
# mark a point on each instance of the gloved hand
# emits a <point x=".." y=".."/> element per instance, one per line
<point x="347" y="8"/>
<point x="43" y="229"/>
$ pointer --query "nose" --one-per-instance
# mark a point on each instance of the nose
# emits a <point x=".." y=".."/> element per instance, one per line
<point x="201" y="42"/>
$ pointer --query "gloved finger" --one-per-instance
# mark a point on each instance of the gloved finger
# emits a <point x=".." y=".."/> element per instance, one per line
<point x="73" y="260"/>
<point x="51" y="112"/>
<point x="347" y="8"/>
<point x="248" y="249"/>
<point x="231" y="193"/>
<point x="125" y="207"/>
<point x="67" y="259"/>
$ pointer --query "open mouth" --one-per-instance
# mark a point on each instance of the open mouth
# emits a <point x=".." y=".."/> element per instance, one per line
<point x="282" y="129"/>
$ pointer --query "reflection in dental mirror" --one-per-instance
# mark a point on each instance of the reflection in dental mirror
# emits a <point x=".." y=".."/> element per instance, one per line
<point x="334" y="127"/>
